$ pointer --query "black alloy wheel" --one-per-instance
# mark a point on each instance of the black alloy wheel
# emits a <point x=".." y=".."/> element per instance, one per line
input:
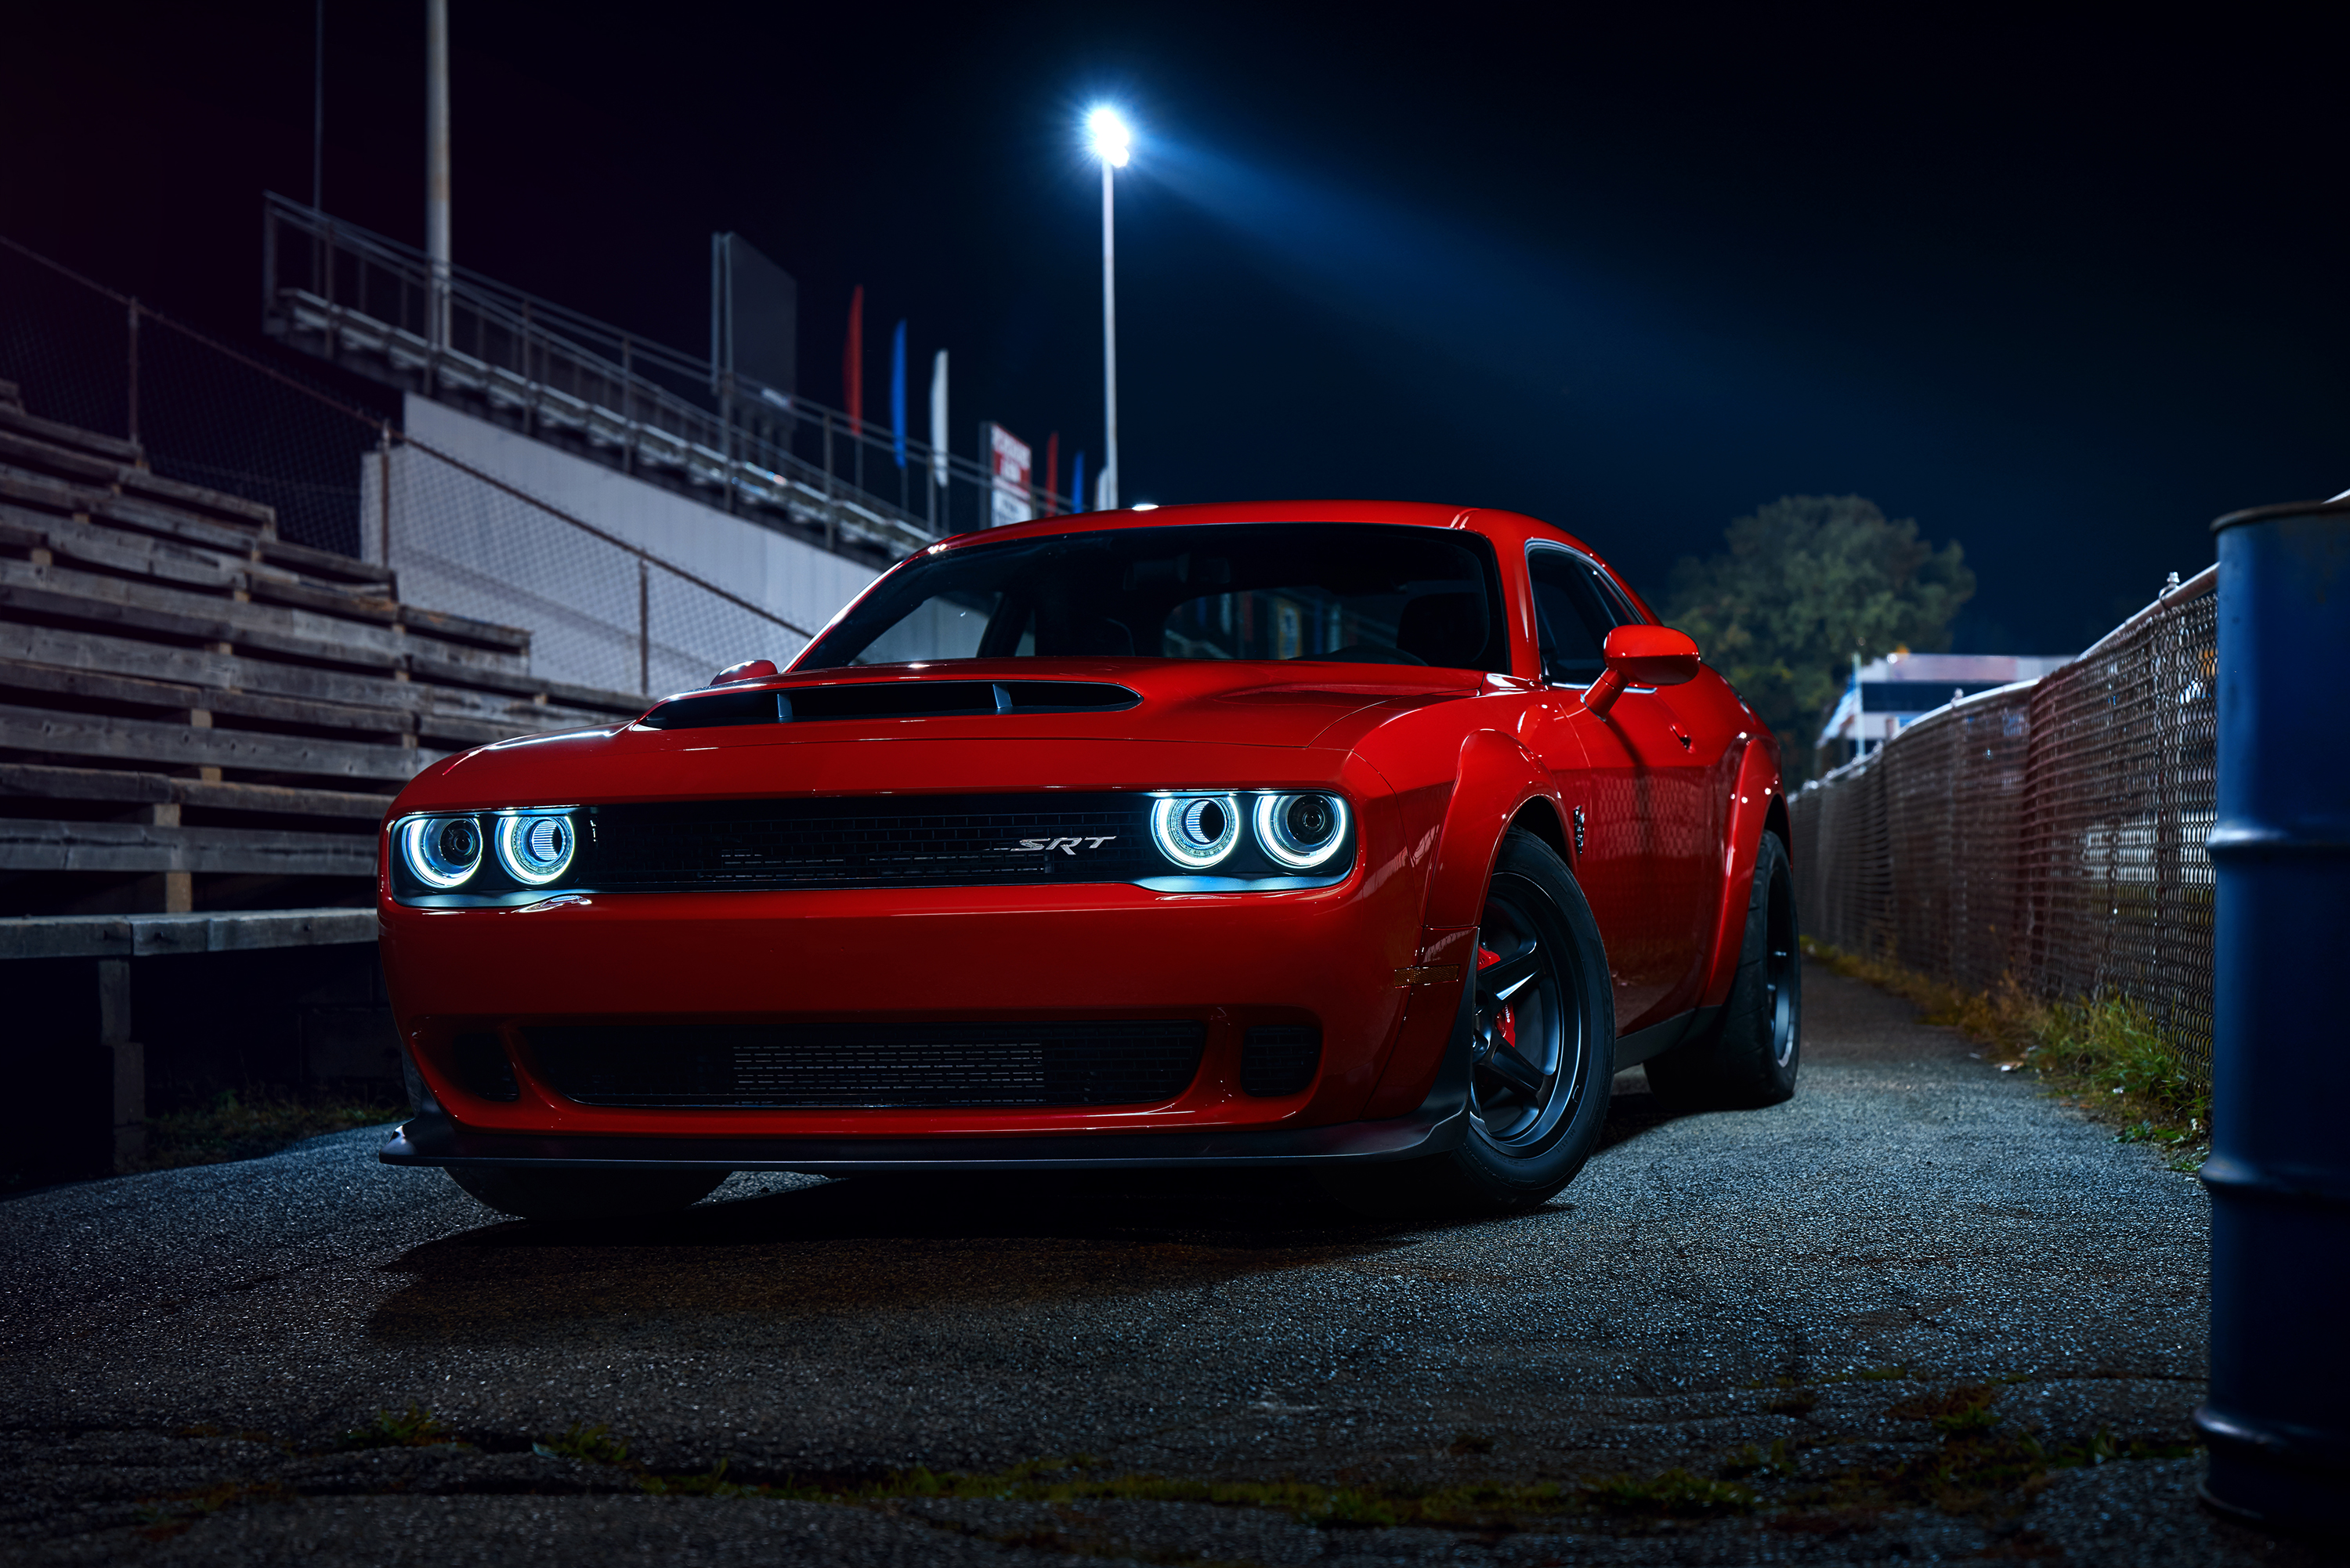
<point x="1526" y="1039"/>
<point x="1783" y="970"/>
<point x="1752" y="1057"/>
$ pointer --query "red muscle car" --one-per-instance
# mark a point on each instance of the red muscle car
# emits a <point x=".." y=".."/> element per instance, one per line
<point x="1371" y="839"/>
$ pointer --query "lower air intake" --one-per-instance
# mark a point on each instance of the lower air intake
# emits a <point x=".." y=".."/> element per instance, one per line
<point x="871" y="1065"/>
<point x="479" y="1059"/>
<point x="1280" y="1059"/>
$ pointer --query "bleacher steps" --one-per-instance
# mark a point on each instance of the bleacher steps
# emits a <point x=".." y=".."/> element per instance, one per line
<point x="184" y="694"/>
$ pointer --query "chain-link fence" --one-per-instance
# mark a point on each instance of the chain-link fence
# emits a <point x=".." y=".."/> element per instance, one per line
<point x="2051" y="834"/>
<point x="606" y="611"/>
<point x="603" y="611"/>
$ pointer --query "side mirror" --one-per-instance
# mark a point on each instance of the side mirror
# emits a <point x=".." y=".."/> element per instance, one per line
<point x="1642" y="656"/>
<point x="760" y="669"/>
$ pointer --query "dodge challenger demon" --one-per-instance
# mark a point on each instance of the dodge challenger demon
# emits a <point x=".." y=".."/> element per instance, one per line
<point x="1366" y="840"/>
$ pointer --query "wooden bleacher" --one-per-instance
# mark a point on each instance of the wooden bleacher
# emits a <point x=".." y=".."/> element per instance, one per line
<point x="196" y="713"/>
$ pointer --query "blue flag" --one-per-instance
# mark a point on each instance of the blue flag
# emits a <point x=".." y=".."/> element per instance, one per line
<point x="1077" y="484"/>
<point x="898" y="391"/>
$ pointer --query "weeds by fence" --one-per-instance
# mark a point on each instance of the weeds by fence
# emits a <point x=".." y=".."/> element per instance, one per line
<point x="2045" y="837"/>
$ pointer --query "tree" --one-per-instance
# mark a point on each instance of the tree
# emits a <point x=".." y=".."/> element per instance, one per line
<point x="1804" y="584"/>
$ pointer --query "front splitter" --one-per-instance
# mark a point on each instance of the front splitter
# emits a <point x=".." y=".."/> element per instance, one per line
<point x="433" y="1139"/>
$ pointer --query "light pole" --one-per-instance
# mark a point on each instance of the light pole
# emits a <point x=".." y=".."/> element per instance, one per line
<point x="1112" y="144"/>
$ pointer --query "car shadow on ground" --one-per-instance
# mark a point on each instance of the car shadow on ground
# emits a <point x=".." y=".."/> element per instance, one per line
<point x="798" y="1247"/>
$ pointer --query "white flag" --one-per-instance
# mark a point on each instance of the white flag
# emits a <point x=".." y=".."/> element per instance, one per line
<point x="939" y="420"/>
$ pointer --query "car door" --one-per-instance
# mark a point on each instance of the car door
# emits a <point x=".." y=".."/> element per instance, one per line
<point x="1647" y="860"/>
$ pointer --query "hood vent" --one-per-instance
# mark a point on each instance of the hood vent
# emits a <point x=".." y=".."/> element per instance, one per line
<point x="888" y="699"/>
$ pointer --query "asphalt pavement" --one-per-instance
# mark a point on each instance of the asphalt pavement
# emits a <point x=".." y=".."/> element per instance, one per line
<point x="1922" y="1311"/>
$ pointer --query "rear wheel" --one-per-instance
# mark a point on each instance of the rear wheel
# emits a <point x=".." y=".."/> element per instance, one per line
<point x="1540" y="1022"/>
<point x="1751" y="1057"/>
<point x="531" y="1193"/>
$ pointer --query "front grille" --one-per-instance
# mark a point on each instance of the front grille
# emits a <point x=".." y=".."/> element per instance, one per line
<point x="870" y="842"/>
<point x="1110" y="1062"/>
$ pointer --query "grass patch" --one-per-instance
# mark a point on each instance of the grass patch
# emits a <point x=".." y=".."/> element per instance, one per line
<point x="1754" y="1461"/>
<point x="590" y="1445"/>
<point x="2108" y="1055"/>
<point x="1675" y="1494"/>
<point x="414" y="1427"/>
<point x="232" y="1125"/>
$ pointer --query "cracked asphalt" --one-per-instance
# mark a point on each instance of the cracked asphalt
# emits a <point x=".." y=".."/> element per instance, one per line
<point x="184" y="1350"/>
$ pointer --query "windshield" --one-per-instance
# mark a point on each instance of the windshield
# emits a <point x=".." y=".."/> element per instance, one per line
<point x="1350" y="592"/>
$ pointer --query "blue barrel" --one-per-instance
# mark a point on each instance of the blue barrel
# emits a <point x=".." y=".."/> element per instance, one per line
<point x="2278" y="1419"/>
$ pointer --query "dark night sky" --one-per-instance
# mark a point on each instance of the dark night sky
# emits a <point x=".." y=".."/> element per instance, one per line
<point x="2061" y="291"/>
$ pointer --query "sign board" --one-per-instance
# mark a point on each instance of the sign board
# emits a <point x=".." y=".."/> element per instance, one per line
<point x="753" y="318"/>
<point x="1011" y="497"/>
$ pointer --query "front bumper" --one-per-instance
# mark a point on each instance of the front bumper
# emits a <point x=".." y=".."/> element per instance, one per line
<point x="434" y="1138"/>
<point x="1330" y="957"/>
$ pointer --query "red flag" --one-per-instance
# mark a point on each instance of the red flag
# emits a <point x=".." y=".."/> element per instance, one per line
<point x="1052" y="469"/>
<point x="852" y="363"/>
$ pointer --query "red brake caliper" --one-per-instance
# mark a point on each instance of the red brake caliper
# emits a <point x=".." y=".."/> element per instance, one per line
<point x="1486" y="957"/>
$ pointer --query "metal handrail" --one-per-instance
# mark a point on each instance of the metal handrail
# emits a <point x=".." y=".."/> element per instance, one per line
<point x="554" y="343"/>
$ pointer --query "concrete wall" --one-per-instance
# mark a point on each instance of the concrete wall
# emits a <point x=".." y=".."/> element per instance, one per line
<point x="469" y="548"/>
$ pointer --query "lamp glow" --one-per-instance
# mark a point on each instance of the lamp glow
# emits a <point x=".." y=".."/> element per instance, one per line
<point x="1113" y="143"/>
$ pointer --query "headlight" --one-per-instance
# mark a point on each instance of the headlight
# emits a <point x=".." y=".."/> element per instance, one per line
<point x="441" y="851"/>
<point x="1301" y="831"/>
<point x="535" y="850"/>
<point x="1196" y="831"/>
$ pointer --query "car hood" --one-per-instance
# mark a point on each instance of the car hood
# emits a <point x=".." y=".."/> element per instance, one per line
<point x="1263" y="707"/>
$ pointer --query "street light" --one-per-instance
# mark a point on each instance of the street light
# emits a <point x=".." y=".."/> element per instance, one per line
<point x="1113" y="144"/>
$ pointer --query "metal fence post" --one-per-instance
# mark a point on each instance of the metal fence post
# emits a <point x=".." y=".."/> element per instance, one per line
<point x="132" y="432"/>
<point x="2279" y="1173"/>
<point x="383" y="478"/>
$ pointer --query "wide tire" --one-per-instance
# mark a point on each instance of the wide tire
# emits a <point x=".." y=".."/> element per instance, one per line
<point x="1750" y="1058"/>
<point x="528" y="1193"/>
<point x="1538" y="1026"/>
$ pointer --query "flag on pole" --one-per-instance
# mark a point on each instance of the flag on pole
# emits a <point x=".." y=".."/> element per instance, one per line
<point x="852" y="364"/>
<point x="898" y="391"/>
<point x="1052" y="469"/>
<point x="1078" y="481"/>
<point x="939" y="420"/>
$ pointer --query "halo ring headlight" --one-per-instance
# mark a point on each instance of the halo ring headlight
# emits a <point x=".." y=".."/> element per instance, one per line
<point x="441" y="851"/>
<point x="1301" y="832"/>
<point x="534" y="848"/>
<point x="1196" y="831"/>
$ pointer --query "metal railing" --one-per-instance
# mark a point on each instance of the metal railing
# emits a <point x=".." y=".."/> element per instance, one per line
<point x="339" y="291"/>
<point x="603" y="611"/>
<point x="2050" y="833"/>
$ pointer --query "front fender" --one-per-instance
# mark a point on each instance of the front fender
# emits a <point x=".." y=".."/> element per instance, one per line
<point x="1496" y="777"/>
<point x="1752" y="795"/>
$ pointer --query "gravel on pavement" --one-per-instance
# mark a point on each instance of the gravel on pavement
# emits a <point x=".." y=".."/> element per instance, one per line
<point x="1921" y="1311"/>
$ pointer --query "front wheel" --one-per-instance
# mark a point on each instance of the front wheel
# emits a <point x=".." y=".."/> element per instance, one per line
<point x="531" y="1193"/>
<point x="1540" y="1024"/>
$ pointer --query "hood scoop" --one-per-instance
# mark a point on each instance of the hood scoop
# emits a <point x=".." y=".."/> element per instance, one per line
<point x="888" y="699"/>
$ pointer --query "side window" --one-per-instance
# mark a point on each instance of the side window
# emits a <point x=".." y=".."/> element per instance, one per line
<point x="1575" y="608"/>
